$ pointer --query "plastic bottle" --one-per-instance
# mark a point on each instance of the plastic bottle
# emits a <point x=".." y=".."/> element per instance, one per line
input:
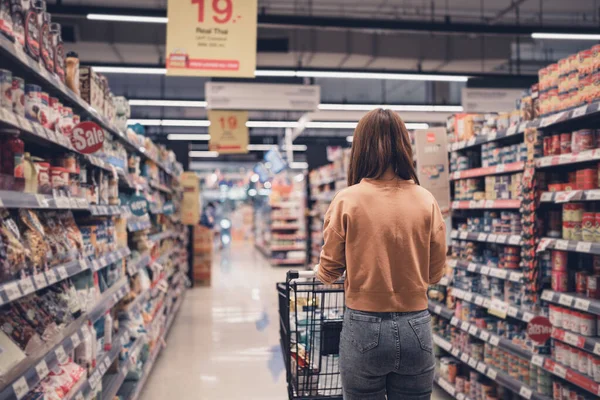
<point x="108" y="325"/>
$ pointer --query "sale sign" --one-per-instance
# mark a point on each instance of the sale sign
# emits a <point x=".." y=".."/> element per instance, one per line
<point x="87" y="137"/>
<point x="539" y="329"/>
<point x="211" y="38"/>
<point x="138" y="205"/>
<point x="228" y="131"/>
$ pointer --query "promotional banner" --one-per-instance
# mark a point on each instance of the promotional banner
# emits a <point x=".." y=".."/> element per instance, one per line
<point x="431" y="153"/>
<point x="212" y="38"/>
<point x="477" y="100"/>
<point x="228" y="131"/>
<point x="87" y="137"/>
<point x="138" y="205"/>
<point x="190" y="204"/>
<point x="242" y="96"/>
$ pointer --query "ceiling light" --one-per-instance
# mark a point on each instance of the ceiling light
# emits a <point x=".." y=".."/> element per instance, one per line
<point x="349" y="139"/>
<point x="299" y="178"/>
<point x="565" y="36"/>
<point x="416" y="125"/>
<point x="207" y="154"/>
<point x="382" y="76"/>
<point x="331" y="125"/>
<point x="187" y="136"/>
<point x="272" y="124"/>
<point x="145" y="122"/>
<point x="127" y="18"/>
<point x="254" y="178"/>
<point x="261" y="147"/>
<point x="185" y="122"/>
<point x="167" y="103"/>
<point x="369" y="107"/>
<point x="267" y="185"/>
<point x="299" y="165"/>
<point x="130" y="70"/>
<point x="275" y="73"/>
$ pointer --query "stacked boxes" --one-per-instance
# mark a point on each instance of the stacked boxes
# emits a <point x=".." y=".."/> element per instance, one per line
<point x="203" y="248"/>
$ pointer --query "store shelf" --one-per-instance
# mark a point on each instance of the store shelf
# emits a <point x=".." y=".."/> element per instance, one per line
<point x="573" y="377"/>
<point x="495" y="307"/>
<point x="142" y="261"/>
<point x="589" y="344"/>
<point x="491" y="137"/>
<point x="486" y="171"/>
<point x="287" y="227"/>
<point x="569" y="245"/>
<point x="14" y="290"/>
<point x="513" y="240"/>
<point x="28" y="374"/>
<point x="498" y="376"/>
<point x="573" y="300"/>
<point x="556" y="120"/>
<point x="485" y="204"/>
<point x="161" y="187"/>
<point x="325" y="197"/>
<point x="10" y="199"/>
<point x="567" y="159"/>
<point x="110" y="388"/>
<point x="283" y="236"/>
<point x="506" y="274"/>
<point x="449" y="388"/>
<point x="99" y="211"/>
<point x="162" y="235"/>
<point x="572" y="195"/>
<point x="135" y="226"/>
<point x="288" y="248"/>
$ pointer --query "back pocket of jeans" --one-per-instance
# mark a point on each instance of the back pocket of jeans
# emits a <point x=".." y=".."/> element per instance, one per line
<point x="364" y="331"/>
<point x="422" y="328"/>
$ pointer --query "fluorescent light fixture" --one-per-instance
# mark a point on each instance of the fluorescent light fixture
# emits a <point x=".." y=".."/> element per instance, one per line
<point x="297" y="147"/>
<point x="416" y="125"/>
<point x="275" y="73"/>
<point x="254" y="178"/>
<point x="267" y="185"/>
<point x="127" y="18"/>
<point x="130" y="70"/>
<point x="299" y="165"/>
<point x="207" y="154"/>
<point x="185" y="122"/>
<point x="349" y="139"/>
<point x="331" y="125"/>
<point x="381" y="75"/>
<point x="267" y="147"/>
<point x="168" y="103"/>
<point x="565" y="36"/>
<point x="369" y="107"/>
<point x="272" y="124"/>
<point x="299" y="178"/>
<point x="187" y="136"/>
<point x="145" y="122"/>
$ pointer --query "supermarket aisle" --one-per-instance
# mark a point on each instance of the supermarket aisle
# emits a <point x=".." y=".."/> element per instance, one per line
<point x="225" y="341"/>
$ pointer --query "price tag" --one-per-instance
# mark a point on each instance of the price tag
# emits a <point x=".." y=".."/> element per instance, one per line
<point x="559" y="370"/>
<point x="454" y="234"/>
<point x="546" y="196"/>
<point x="472" y="267"/>
<point x="464" y="326"/>
<point x="482" y="237"/>
<point x="485" y="270"/>
<point x="579" y="111"/>
<point x="487" y="303"/>
<point x="464" y="357"/>
<point x="484" y="335"/>
<point x="468" y="296"/>
<point x="512" y="311"/>
<point x="40" y="281"/>
<point x="473" y="204"/>
<point x="479" y="300"/>
<point x="42" y="201"/>
<point x="597" y="348"/>
<point x="463" y="235"/>
<point x="26" y="286"/>
<point x="492" y="136"/>
<point x="95" y="265"/>
<point x="583" y="247"/>
<point x="537" y="360"/>
<point x="515" y="240"/>
<point x="561" y="244"/>
<point x="592" y="195"/>
<point x="481" y="367"/>
<point x="62" y="273"/>
<point x="525" y="392"/>
<point x="547" y="295"/>
<point x="565" y="300"/>
<point x="42" y="369"/>
<point x="102" y="369"/>
<point x="514" y="276"/>
<point x="60" y="354"/>
<point x="12" y="291"/>
<point x="472" y="362"/>
<point x="492" y="238"/>
<point x="473" y="330"/>
<point x="455" y="352"/>
<point x="571" y="338"/>
<point x="491" y="373"/>
<point x="527" y="316"/>
<point x="106" y="360"/>
<point x="75" y="339"/>
<point x="51" y="277"/>
<point x="511" y="131"/>
<point x="459" y="396"/>
<point x="437" y="309"/>
<point x="502" y="273"/>
<point x="471" y="142"/>
<point x="501" y="239"/>
<point x="20" y="387"/>
<point x="494" y="340"/>
<point x="500" y="168"/>
<point x="454" y="321"/>
<point x="582" y="304"/>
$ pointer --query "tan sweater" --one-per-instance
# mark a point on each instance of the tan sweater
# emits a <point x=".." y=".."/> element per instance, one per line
<point x="390" y="238"/>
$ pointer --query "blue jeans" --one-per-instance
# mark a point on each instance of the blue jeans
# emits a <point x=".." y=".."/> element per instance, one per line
<point x="387" y="354"/>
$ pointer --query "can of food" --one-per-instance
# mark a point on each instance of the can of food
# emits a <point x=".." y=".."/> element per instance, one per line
<point x="587" y="324"/>
<point x="593" y="286"/>
<point x="596" y="368"/>
<point x="565" y="143"/>
<point x="576" y="233"/>
<point x="6" y="89"/>
<point x="548" y="145"/>
<point x="18" y="96"/>
<point x="33" y="102"/>
<point x="43" y="115"/>
<point x="560" y="281"/>
<point x="581" y="282"/>
<point x="583" y="139"/>
<point x="43" y="173"/>
<point x="555" y="314"/>
<point x="555" y="149"/>
<point x="588" y="226"/>
<point x="597" y="229"/>
<point x="76" y="120"/>
<point x="556" y="390"/>
<point x="559" y="260"/>
<point x="575" y="320"/>
<point x="59" y="177"/>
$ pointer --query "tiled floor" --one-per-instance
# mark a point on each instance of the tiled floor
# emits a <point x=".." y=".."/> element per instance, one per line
<point x="225" y="341"/>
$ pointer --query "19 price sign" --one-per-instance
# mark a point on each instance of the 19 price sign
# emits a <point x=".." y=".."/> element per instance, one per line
<point x="228" y="131"/>
<point x="212" y="38"/>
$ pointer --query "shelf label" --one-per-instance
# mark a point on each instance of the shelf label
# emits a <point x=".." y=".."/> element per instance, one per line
<point x="571" y="338"/>
<point x="481" y="367"/>
<point x="538" y="360"/>
<point x="485" y="270"/>
<point x="489" y="204"/>
<point x="42" y="369"/>
<point x="514" y="239"/>
<point x="482" y="237"/>
<point x="12" y="291"/>
<point x="579" y="111"/>
<point x="565" y="300"/>
<point x="472" y="362"/>
<point x="597" y="348"/>
<point x="472" y="267"/>
<point x="547" y="295"/>
<point x="453" y="234"/>
<point x="454" y="321"/>
<point x="583" y="247"/>
<point x="468" y="296"/>
<point x="437" y="309"/>
<point x="546" y="196"/>
<point x="60" y="354"/>
<point x="473" y="330"/>
<point x="525" y="392"/>
<point x="463" y="235"/>
<point x="492" y="238"/>
<point x="40" y="281"/>
<point x="26" y="286"/>
<point x="512" y="311"/>
<point x="511" y="131"/>
<point x="500" y="168"/>
<point x="75" y="339"/>
<point x="498" y="308"/>
<point x="464" y="326"/>
<point x="487" y="303"/>
<point x="464" y="357"/>
<point x="527" y="316"/>
<point x="559" y="370"/>
<point x="491" y="373"/>
<point x="494" y="340"/>
<point x="62" y="273"/>
<point x="582" y="304"/>
<point x="20" y="387"/>
<point x="51" y="277"/>
<point x="501" y="239"/>
<point x="561" y="244"/>
<point x="592" y="195"/>
<point x="41" y="200"/>
<point x="479" y="300"/>
<point x="102" y="369"/>
<point x="484" y="335"/>
<point x="514" y="276"/>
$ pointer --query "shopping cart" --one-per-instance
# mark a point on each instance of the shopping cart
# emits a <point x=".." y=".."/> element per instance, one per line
<point x="311" y="316"/>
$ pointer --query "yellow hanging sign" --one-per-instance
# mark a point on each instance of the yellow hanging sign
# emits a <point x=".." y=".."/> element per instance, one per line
<point x="228" y="131"/>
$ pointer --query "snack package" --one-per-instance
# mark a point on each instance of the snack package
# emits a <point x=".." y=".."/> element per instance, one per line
<point x="57" y="239"/>
<point x="73" y="233"/>
<point x="42" y="323"/>
<point x="15" y="254"/>
<point x="74" y="371"/>
<point x="55" y="306"/>
<point x="33" y="232"/>
<point x="19" y="330"/>
<point x="52" y="388"/>
<point x="68" y="293"/>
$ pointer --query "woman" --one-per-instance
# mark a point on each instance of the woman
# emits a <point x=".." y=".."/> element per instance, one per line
<point x="387" y="233"/>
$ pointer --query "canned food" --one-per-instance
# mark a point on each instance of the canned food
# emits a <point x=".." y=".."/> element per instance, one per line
<point x="587" y="324"/>
<point x="559" y="260"/>
<point x="581" y="282"/>
<point x="59" y="177"/>
<point x="593" y="286"/>
<point x="6" y="89"/>
<point x="43" y="172"/>
<point x="33" y="102"/>
<point x="18" y="96"/>
<point x="560" y="281"/>
<point x="565" y="143"/>
<point x="53" y="113"/>
<point x="588" y="226"/>
<point x="555" y="149"/>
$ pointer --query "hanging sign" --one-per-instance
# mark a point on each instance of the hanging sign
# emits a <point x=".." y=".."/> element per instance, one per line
<point x="87" y="137"/>
<point x="168" y="208"/>
<point x="431" y="152"/>
<point x="138" y="205"/>
<point x="228" y="131"/>
<point x="539" y="329"/>
<point x="212" y="38"/>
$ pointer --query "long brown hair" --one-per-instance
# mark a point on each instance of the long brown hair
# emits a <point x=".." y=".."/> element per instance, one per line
<point x="381" y="141"/>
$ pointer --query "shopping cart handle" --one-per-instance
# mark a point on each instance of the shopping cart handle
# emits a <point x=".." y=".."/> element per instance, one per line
<point x="293" y="274"/>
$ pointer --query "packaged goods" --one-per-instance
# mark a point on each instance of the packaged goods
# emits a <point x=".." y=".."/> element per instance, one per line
<point x="33" y="234"/>
<point x="33" y="102"/>
<point x="6" y="24"/>
<point x="32" y="29"/>
<point x="59" y="50"/>
<point x="72" y="72"/>
<point x="18" y="96"/>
